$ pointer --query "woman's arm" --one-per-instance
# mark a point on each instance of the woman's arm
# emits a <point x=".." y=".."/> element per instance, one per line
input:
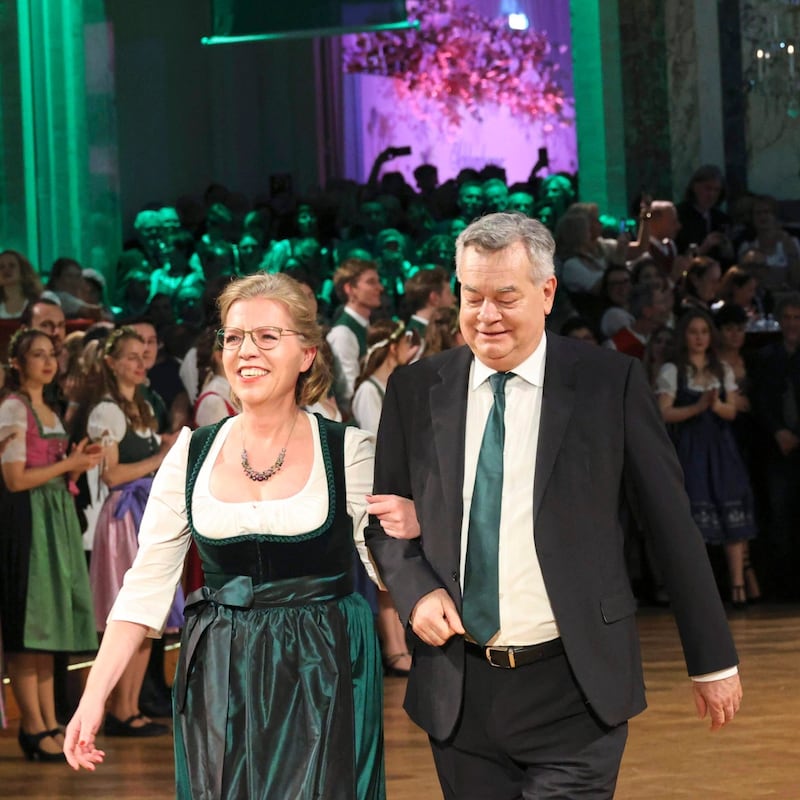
<point x="114" y="473"/>
<point x="19" y="478"/>
<point x="120" y="641"/>
<point x="671" y="413"/>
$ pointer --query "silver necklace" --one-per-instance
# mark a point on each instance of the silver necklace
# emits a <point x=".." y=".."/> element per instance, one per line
<point x="254" y="474"/>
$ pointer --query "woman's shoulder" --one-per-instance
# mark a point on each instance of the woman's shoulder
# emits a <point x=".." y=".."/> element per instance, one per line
<point x="13" y="409"/>
<point x="106" y="419"/>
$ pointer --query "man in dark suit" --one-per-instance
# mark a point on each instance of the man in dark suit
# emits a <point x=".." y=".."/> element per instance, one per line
<point x="526" y="657"/>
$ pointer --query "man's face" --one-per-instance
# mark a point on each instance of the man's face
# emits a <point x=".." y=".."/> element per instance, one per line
<point x="502" y="310"/>
<point x="522" y="202"/>
<point x="391" y="248"/>
<point x="470" y="201"/>
<point x="148" y="333"/>
<point x="373" y="217"/>
<point x="555" y="190"/>
<point x="495" y="197"/>
<point x="366" y="290"/>
<point x="707" y="193"/>
<point x="661" y="309"/>
<point x="71" y="280"/>
<point x="170" y="224"/>
<point x="51" y="320"/>
<point x="306" y="221"/>
<point x="170" y="221"/>
<point x="665" y="224"/>
<point x="445" y="297"/>
<point x="547" y="216"/>
<point x="150" y="235"/>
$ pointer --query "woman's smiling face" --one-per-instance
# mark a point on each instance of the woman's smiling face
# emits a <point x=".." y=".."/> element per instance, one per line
<point x="257" y="376"/>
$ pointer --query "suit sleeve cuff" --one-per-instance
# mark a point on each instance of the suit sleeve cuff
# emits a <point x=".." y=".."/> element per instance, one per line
<point x="716" y="676"/>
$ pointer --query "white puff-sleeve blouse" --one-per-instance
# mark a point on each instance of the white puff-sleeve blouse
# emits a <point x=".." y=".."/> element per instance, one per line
<point x="107" y="421"/>
<point x="164" y="535"/>
<point x="667" y="381"/>
<point x="14" y="419"/>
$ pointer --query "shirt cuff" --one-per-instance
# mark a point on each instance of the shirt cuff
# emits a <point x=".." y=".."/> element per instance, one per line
<point x="716" y="676"/>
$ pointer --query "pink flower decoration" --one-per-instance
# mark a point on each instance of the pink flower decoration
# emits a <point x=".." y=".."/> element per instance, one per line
<point x="460" y="60"/>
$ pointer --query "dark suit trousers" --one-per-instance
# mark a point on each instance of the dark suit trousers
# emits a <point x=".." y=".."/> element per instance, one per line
<point x="527" y="733"/>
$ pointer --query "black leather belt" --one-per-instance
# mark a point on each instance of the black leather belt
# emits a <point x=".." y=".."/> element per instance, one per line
<point x="512" y="657"/>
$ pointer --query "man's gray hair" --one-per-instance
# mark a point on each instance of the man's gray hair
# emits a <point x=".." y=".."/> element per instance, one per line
<point x="498" y="231"/>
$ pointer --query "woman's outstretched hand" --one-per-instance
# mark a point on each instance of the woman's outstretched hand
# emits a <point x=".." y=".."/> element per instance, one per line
<point x="79" y="745"/>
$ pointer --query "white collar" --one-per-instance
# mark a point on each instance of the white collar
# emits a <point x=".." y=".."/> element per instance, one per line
<point x="530" y="370"/>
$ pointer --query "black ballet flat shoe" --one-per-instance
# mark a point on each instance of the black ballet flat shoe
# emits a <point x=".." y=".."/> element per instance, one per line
<point x="31" y="746"/>
<point x="389" y="668"/>
<point x="116" y="727"/>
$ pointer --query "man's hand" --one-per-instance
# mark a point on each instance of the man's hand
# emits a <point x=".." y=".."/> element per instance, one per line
<point x="719" y="699"/>
<point x="397" y="515"/>
<point x="435" y="619"/>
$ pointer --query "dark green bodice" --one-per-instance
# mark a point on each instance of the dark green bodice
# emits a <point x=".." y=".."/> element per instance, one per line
<point x="326" y="551"/>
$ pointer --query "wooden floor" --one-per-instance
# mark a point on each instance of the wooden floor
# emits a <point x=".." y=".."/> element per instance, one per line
<point x="670" y="754"/>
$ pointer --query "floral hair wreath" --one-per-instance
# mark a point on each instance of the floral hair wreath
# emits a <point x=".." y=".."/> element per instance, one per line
<point x="13" y="342"/>
<point x="115" y="336"/>
<point x="393" y="337"/>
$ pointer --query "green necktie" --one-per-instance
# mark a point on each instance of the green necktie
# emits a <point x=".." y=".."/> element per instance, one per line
<point x="481" y="600"/>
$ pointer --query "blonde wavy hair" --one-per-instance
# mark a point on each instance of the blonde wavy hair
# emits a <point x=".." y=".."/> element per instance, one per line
<point x="313" y="384"/>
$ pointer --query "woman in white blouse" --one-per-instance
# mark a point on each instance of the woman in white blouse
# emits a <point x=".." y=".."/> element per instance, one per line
<point x="278" y="690"/>
<point x="698" y="396"/>
<point x="124" y="422"/>
<point x="45" y="600"/>
<point x="389" y="345"/>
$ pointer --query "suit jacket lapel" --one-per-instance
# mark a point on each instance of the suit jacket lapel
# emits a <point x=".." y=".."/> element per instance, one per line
<point x="558" y="400"/>
<point x="448" y="400"/>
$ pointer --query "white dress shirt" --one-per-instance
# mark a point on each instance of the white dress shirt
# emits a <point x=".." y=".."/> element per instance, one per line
<point x="347" y="355"/>
<point x="526" y="616"/>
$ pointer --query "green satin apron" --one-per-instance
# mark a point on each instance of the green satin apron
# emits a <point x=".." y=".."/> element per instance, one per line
<point x="278" y="691"/>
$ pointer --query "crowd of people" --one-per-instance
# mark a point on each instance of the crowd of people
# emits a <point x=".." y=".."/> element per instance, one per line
<point x="104" y="371"/>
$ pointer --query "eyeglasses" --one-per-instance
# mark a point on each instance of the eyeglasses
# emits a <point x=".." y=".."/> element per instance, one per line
<point x="264" y="338"/>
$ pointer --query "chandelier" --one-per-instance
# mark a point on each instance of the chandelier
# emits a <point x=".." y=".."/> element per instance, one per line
<point x="776" y="53"/>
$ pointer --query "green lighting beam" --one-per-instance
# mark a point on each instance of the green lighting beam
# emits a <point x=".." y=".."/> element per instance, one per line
<point x="305" y="34"/>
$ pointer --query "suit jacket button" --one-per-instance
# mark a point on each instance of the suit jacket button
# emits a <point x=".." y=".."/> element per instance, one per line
<point x="454" y="575"/>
